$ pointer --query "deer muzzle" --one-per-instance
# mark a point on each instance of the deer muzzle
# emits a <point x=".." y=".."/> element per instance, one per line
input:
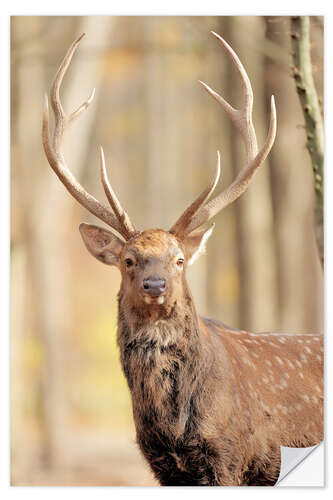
<point x="154" y="286"/>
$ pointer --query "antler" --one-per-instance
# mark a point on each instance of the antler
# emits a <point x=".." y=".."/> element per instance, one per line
<point x="242" y="119"/>
<point x="53" y="150"/>
<point x="180" y="226"/>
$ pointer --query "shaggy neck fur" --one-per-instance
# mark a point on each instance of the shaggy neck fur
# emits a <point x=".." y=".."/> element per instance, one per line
<point x="166" y="364"/>
<point x="161" y="353"/>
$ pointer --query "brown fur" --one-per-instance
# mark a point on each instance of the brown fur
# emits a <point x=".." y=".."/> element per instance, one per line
<point x="211" y="405"/>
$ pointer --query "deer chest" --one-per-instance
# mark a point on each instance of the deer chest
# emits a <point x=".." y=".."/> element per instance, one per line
<point x="166" y="418"/>
<point x="177" y="460"/>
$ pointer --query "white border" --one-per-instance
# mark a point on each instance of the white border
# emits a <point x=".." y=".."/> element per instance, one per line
<point x="142" y="7"/>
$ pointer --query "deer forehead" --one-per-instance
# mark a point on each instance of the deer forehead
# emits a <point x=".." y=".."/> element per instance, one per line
<point x="155" y="243"/>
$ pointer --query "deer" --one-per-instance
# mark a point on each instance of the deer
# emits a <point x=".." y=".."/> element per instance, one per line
<point x="212" y="405"/>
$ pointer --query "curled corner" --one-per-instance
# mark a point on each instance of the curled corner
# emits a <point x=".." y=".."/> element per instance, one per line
<point x="291" y="458"/>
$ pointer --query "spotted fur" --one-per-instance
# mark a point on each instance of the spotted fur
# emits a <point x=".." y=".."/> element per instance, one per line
<point x="212" y="405"/>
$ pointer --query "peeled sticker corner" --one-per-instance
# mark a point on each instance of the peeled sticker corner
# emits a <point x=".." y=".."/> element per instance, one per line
<point x="296" y="471"/>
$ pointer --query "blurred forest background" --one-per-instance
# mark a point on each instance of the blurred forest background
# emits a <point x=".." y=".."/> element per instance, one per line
<point x="71" y="418"/>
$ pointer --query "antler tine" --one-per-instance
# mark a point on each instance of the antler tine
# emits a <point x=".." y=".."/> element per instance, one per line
<point x="53" y="147"/>
<point x="184" y="220"/>
<point x="242" y="119"/>
<point x="247" y="88"/>
<point x="240" y="184"/>
<point x="55" y="87"/>
<point x="83" y="106"/>
<point x="232" y="112"/>
<point x="113" y="200"/>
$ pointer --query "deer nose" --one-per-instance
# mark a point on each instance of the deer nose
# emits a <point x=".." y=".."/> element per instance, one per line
<point x="154" y="286"/>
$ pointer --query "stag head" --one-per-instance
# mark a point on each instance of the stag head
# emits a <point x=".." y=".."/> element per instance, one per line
<point x="153" y="262"/>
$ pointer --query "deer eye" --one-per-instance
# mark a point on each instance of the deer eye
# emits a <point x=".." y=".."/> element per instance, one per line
<point x="180" y="262"/>
<point x="129" y="262"/>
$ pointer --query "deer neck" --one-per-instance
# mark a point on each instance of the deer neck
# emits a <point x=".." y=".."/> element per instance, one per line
<point x="165" y="361"/>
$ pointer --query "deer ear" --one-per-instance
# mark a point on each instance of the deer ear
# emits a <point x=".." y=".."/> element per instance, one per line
<point x="195" y="243"/>
<point x="102" y="244"/>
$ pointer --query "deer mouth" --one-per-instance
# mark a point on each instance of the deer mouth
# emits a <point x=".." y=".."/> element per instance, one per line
<point x="149" y="299"/>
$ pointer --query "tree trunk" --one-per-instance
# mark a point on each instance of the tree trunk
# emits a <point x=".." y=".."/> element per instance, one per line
<point x="223" y="273"/>
<point x="302" y="72"/>
<point x="49" y="229"/>
<point x="256" y="249"/>
<point x="300" y="280"/>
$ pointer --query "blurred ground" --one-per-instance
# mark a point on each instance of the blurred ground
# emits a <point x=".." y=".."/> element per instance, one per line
<point x="117" y="463"/>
